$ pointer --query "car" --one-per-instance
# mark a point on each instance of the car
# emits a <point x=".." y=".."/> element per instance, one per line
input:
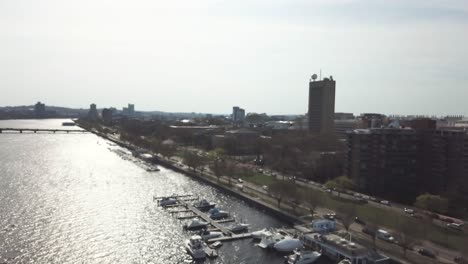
<point x="368" y="231"/>
<point x="328" y="190"/>
<point x="240" y="180"/>
<point x="460" y="260"/>
<point x="456" y="226"/>
<point x="426" y="252"/>
<point x="385" y="202"/>
<point x="357" y="195"/>
<point x="385" y="236"/>
<point x="409" y="211"/>
<point x="264" y="187"/>
<point x="372" y="198"/>
<point x="330" y="216"/>
<point x="359" y="221"/>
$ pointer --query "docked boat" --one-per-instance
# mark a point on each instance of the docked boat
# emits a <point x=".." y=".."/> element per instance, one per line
<point x="152" y="169"/>
<point x="215" y="214"/>
<point x="288" y="244"/>
<point x="196" y="247"/>
<point x="203" y="205"/>
<point x="167" y="201"/>
<point x="257" y="235"/>
<point x="239" y="228"/>
<point x="216" y="244"/>
<point x="195" y="225"/>
<point x="269" y="240"/>
<point x="345" y="261"/>
<point x="207" y="235"/>
<point x="302" y="257"/>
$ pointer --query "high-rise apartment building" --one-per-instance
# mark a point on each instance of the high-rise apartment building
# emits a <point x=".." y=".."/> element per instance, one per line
<point x="238" y="115"/>
<point x="321" y="106"/>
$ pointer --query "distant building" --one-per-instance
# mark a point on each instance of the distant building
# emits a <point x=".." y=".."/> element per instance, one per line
<point x="344" y="116"/>
<point x="321" y="106"/>
<point x="238" y="115"/>
<point x="107" y="115"/>
<point x="93" y="113"/>
<point x="129" y="111"/>
<point x="39" y="110"/>
<point x="238" y="142"/>
<point x="408" y="161"/>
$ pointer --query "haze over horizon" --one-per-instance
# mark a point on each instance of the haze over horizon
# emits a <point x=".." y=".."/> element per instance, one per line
<point x="391" y="57"/>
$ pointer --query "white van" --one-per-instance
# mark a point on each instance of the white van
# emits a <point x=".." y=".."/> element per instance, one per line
<point x="384" y="235"/>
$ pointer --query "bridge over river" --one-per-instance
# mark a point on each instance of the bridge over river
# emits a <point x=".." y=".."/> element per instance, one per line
<point x="35" y="130"/>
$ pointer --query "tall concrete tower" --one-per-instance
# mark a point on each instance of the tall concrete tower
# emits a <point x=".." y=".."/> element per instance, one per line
<point x="321" y="105"/>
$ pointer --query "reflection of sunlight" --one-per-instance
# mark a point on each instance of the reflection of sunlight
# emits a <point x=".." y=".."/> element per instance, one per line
<point x="73" y="200"/>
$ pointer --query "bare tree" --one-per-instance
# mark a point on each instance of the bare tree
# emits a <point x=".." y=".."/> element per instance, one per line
<point x="313" y="199"/>
<point x="347" y="212"/>
<point x="281" y="189"/>
<point x="406" y="234"/>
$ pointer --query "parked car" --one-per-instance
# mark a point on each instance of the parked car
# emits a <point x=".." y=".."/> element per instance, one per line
<point x="385" y="202"/>
<point x="330" y="216"/>
<point x="240" y="180"/>
<point x="460" y="260"/>
<point x="264" y="187"/>
<point x="426" y="252"/>
<point x="409" y="211"/>
<point x="456" y="226"/>
<point x="368" y="231"/>
<point x="359" y="221"/>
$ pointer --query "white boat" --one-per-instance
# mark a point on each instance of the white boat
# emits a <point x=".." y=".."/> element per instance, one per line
<point x="345" y="261"/>
<point x="195" y="225"/>
<point x="239" y="228"/>
<point x="196" y="247"/>
<point x="216" y="244"/>
<point x="303" y="257"/>
<point x="269" y="240"/>
<point x="152" y="169"/>
<point x="203" y="205"/>
<point x="167" y="201"/>
<point x="207" y="235"/>
<point x="215" y="214"/>
<point x="288" y="244"/>
<point x="257" y="235"/>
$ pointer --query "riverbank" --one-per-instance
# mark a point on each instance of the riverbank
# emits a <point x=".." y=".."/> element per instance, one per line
<point x="253" y="201"/>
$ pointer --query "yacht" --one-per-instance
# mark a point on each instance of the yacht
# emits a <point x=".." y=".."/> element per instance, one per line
<point x="207" y="235"/>
<point x="215" y="214"/>
<point x="167" y="201"/>
<point x="302" y="257"/>
<point x="196" y="247"/>
<point x="195" y="225"/>
<point x="152" y="169"/>
<point x="288" y="244"/>
<point x="239" y="228"/>
<point x="203" y="205"/>
<point x="269" y="240"/>
<point x="257" y="235"/>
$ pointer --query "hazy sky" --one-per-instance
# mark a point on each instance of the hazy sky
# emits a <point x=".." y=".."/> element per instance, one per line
<point x="392" y="56"/>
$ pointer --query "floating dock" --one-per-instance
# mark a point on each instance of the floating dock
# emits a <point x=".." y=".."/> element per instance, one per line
<point x="182" y="201"/>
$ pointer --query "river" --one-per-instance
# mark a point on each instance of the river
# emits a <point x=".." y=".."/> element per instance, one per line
<point x="78" y="198"/>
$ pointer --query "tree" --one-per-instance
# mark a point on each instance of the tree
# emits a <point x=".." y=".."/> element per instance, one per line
<point x="217" y="162"/>
<point x="230" y="170"/>
<point x="193" y="160"/>
<point x="347" y="213"/>
<point x="313" y="199"/>
<point x="281" y="189"/>
<point x="431" y="202"/>
<point x="340" y="184"/>
<point x="406" y="234"/>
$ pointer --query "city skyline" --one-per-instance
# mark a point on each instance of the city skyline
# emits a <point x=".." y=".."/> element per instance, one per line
<point x="256" y="54"/>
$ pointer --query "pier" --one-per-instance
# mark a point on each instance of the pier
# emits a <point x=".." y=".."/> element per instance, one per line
<point x="182" y="201"/>
<point x="35" y="130"/>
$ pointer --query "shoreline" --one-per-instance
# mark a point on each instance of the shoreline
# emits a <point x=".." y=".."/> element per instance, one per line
<point x="252" y="201"/>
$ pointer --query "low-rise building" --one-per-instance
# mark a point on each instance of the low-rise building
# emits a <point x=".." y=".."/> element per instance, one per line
<point x="337" y="248"/>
